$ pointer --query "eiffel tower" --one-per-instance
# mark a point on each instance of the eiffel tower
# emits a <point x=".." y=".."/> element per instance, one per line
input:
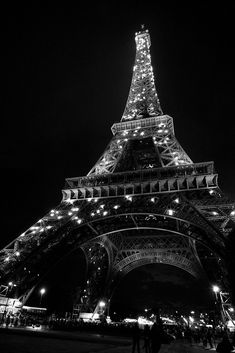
<point x="144" y="201"/>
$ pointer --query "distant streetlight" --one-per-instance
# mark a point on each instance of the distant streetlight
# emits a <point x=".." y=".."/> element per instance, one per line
<point x="219" y="302"/>
<point x="42" y="291"/>
<point x="216" y="289"/>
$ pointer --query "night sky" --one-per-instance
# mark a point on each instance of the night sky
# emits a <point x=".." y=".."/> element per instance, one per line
<point x="66" y="73"/>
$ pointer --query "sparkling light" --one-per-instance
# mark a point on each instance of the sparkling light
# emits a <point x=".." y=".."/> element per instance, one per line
<point x="128" y="197"/>
<point x="215" y="213"/>
<point x="70" y="201"/>
<point x="170" y="212"/>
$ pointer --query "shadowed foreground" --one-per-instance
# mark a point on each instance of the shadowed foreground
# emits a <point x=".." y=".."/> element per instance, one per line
<point x="33" y="342"/>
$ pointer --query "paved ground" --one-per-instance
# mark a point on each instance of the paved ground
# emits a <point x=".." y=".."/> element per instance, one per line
<point x="28" y="341"/>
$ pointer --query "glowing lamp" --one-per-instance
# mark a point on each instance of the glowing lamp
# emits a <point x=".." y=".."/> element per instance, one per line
<point x="215" y="289"/>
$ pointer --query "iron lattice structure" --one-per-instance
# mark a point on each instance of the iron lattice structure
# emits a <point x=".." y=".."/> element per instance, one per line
<point x="144" y="201"/>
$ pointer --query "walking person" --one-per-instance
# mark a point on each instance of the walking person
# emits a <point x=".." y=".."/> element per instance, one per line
<point x="147" y="339"/>
<point x="136" y="338"/>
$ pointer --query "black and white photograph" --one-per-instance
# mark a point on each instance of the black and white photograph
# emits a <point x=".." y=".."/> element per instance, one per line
<point x="117" y="177"/>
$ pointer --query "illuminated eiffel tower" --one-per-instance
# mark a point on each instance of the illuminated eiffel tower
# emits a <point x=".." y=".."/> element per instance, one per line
<point x="144" y="201"/>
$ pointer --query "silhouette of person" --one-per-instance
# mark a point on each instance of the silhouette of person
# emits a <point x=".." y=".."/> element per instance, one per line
<point x="156" y="336"/>
<point x="147" y="339"/>
<point x="136" y="338"/>
<point x="209" y="337"/>
<point x="224" y="346"/>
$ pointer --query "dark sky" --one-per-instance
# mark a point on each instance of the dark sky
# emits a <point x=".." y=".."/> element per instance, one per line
<point x="164" y="287"/>
<point x="66" y="72"/>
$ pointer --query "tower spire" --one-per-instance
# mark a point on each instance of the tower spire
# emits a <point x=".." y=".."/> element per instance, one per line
<point x="143" y="100"/>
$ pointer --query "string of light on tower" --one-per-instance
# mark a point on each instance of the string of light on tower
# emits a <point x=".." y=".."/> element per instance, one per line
<point x="143" y="99"/>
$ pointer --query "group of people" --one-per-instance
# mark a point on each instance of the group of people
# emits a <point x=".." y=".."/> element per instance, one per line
<point x="207" y="337"/>
<point x="153" y="337"/>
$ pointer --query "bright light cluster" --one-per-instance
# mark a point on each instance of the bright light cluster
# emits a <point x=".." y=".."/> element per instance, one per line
<point x="143" y="99"/>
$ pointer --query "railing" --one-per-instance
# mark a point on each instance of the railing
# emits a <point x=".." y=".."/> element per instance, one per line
<point x="141" y="123"/>
<point x="141" y="175"/>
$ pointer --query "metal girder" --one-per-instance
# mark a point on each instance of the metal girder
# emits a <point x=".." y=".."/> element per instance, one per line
<point x="162" y="133"/>
<point x="3" y="290"/>
<point x="88" y="219"/>
<point x="168" y="249"/>
<point x="20" y="248"/>
<point x="110" y="157"/>
<point x="217" y="208"/>
<point x="24" y="297"/>
<point x="126" y="253"/>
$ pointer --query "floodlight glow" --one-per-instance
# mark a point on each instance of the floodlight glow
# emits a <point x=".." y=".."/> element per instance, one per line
<point x="102" y="304"/>
<point x="42" y="291"/>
